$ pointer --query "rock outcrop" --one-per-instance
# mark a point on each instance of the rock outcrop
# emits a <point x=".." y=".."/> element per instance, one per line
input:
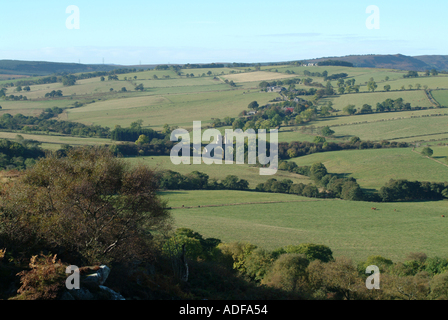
<point x="92" y="286"/>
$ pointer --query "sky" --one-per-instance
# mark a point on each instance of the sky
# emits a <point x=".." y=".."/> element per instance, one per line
<point x="155" y="32"/>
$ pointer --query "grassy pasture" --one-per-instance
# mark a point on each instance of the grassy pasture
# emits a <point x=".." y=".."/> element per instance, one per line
<point x="188" y="198"/>
<point x="218" y="171"/>
<point x="31" y="108"/>
<point x="415" y="128"/>
<point x="348" y="228"/>
<point x="175" y="109"/>
<point x="346" y="119"/>
<point x="257" y="76"/>
<point x="441" y="96"/>
<point x="432" y="83"/>
<point x="374" y="167"/>
<point x="440" y="152"/>
<point x="166" y="83"/>
<point x="286" y="134"/>
<point x="56" y="139"/>
<point x="414" y="97"/>
<point x="147" y="75"/>
<point x="215" y="71"/>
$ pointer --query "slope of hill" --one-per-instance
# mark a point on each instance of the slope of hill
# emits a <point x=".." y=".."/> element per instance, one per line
<point x="397" y="61"/>
<point x="43" y="68"/>
<point x="438" y="62"/>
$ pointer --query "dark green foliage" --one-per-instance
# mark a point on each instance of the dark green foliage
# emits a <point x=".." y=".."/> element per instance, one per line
<point x="130" y="134"/>
<point x="42" y="123"/>
<point x="326" y="131"/>
<point x="196" y="180"/>
<point x="312" y="251"/>
<point x="411" y="74"/>
<point x="404" y="190"/>
<point x="318" y="171"/>
<point x="336" y="76"/>
<point x="335" y="63"/>
<point x="427" y="152"/>
<point x="19" y="155"/>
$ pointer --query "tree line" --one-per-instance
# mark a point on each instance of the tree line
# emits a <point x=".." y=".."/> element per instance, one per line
<point x="335" y="63"/>
<point x="19" y="154"/>
<point x="45" y="124"/>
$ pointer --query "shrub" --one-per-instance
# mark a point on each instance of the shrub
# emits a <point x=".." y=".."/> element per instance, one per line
<point x="45" y="280"/>
<point x="288" y="272"/>
<point x="312" y="251"/>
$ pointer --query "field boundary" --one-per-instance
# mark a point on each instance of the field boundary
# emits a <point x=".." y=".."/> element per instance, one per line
<point x="244" y="203"/>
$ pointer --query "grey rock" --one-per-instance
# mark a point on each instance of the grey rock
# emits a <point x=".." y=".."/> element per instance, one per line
<point x="113" y="295"/>
<point x="100" y="276"/>
<point x="81" y="294"/>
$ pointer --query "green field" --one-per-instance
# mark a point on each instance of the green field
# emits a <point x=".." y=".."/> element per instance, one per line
<point x="374" y="167"/>
<point x="219" y="171"/>
<point x="176" y="109"/>
<point x="416" y="128"/>
<point x="441" y="96"/>
<point x="414" y="97"/>
<point x="348" y="228"/>
<point x="56" y="139"/>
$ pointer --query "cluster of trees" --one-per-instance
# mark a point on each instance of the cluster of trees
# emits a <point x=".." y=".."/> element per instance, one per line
<point x="206" y="65"/>
<point x="391" y="105"/>
<point x="335" y="63"/>
<point x="196" y="180"/>
<point x="43" y="80"/>
<point x="276" y="115"/>
<point x="143" y="147"/>
<point x="411" y="74"/>
<point x="315" y="74"/>
<point x="298" y="149"/>
<point x="385" y="106"/>
<point x="345" y="86"/>
<point x="404" y="190"/>
<point x="309" y="271"/>
<point x="43" y="123"/>
<point x="53" y="94"/>
<point x="13" y="97"/>
<point x="331" y="186"/>
<point x="335" y="76"/>
<point x="26" y="88"/>
<point x="287" y="186"/>
<point x="288" y="82"/>
<point x="133" y="133"/>
<point x="70" y="79"/>
<point x="231" y="83"/>
<point x="20" y="154"/>
<point x="432" y="72"/>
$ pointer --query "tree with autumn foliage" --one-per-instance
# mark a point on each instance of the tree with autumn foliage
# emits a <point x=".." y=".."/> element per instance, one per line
<point x="88" y="207"/>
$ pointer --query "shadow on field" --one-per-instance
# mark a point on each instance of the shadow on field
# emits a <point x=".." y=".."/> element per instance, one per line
<point x="171" y="192"/>
<point x="341" y="175"/>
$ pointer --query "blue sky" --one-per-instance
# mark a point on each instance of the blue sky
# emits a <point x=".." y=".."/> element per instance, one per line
<point x="127" y="32"/>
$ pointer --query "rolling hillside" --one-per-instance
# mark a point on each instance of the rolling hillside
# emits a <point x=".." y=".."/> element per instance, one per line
<point x="397" y="61"/>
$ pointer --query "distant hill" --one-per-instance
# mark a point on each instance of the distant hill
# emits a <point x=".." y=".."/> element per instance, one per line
<point x="437" y="62"/>
<point x="397" y="61"/>
<point x="43" y="68"/>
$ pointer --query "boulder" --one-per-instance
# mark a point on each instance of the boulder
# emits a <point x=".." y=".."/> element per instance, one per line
<point x="100" y="276"/>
